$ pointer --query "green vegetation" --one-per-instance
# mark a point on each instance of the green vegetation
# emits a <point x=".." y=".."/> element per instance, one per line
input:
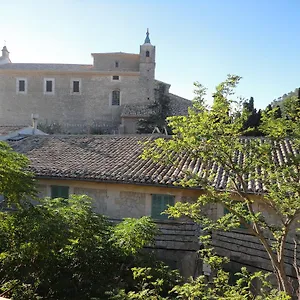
<point x="61" y="249"/>
<point x="213" y="135"/>
<point x="159" y="111"/>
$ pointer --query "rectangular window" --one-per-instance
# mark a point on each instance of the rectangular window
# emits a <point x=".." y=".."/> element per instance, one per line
<point x="21" y="86"/>
<point x="115" y="98"/>
<point x="116" y="64"/>
<point x="48" y="85"/>
<point x="76" y="86"/>
<point x="59" y="191"/>
<point x="116" y="77"/>
<point x="159" y="204"/>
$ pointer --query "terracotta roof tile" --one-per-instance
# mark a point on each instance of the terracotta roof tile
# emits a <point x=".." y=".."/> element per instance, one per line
<point x="117" y="159"/>
<point x="4" y="130"/>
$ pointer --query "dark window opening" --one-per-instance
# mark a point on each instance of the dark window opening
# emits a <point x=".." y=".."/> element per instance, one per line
<point x="147" y="53"/>
<point x="117" y="64"/>
<point x="59" y="191"/>
<point x="48" y="86"/>
<point x="21" y="85"/>
<point x="115" y="98"/>
<point x="115" y="77"/>
<point x="76" y="86"/>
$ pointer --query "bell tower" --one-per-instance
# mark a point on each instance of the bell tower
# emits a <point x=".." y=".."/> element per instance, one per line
<point x="147" y="65"/>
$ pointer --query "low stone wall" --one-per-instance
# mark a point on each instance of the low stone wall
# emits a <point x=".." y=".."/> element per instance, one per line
<point x="244" y="248"/>
<point x="177" y="244"/>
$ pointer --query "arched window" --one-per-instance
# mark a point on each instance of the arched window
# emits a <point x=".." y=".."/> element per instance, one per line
<point x="115" y="98"/>
<point x="147" y="53"/>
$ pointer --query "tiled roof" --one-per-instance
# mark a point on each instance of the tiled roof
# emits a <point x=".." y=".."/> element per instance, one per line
<point x="117" y="159"/>
<point x="100" y="158"/>
<point x="178" y="107"/>
<point x="136" y="110"/>
<point x="46" y="67"/>
<point x="4" y="130"/>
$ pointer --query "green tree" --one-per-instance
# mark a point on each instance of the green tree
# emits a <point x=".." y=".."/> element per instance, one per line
<point x="16" y="182"/>
<point x="253" y="119"/>
<point x="213" y="136"/>
<point x="219" y="287"/>
<point x="159" y="111"/>
<point x="61" y="249"/>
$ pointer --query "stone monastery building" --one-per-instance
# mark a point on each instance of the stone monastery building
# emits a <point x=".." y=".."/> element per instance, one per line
<point x="111" y="94"/>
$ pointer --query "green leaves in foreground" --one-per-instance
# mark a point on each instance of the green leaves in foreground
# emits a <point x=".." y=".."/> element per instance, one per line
<point x="256" y="180"/>
<point x="61" y="249"/>
<point x="16" y="182"/>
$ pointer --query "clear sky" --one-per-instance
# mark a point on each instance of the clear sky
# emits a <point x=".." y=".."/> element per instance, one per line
<point x="200" y="40"/>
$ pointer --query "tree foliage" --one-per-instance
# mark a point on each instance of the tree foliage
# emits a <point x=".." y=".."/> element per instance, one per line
<point x="213" y="135"/>
<point x="159" y="111"/>
<point x="61" y="249"/>
<point x="253" y="119"/>
<point x="16" y="182"/>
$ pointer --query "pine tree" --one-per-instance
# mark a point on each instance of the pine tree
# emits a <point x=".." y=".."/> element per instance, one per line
<point x="252" y="122"/>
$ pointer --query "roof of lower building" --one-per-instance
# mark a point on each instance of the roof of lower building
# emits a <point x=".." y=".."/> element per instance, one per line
<point x="15" y="132"/>
<point x="5" y="130"/>
<point x="118" y="159"/>
<point x="99" y="158"/>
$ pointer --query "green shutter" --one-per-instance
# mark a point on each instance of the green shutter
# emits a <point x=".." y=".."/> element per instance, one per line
<point x="58" y="191"/>
<point x="159" y="204"/>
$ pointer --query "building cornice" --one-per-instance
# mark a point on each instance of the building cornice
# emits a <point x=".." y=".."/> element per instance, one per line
<point x="81" y="73"/>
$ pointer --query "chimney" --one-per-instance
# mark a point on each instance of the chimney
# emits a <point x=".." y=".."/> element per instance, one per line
<point x="5" y="53"/>
<point x="34" y="118"/>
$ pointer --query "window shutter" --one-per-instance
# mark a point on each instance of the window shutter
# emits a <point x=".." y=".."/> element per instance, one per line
<point x="58" y="191"/>
<point x="160" y="204"/>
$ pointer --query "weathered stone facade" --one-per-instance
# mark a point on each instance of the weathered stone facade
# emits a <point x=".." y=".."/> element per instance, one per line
<point x="48" y="90"/>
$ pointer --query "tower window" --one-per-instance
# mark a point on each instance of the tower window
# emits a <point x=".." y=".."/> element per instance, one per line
<point x="147" y="53"/>
<point x="115" y="77"/>
<point x="116" y="64"/>
<point x="115" y="100"/>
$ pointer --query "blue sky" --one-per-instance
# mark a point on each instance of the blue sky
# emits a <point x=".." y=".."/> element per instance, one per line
<point x="195" y="40"/>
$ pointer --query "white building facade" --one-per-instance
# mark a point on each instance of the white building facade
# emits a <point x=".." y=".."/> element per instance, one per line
<point x="74" y="96"/>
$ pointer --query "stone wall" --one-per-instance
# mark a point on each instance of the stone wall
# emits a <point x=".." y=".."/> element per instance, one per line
<point x="91" y="106"/>
<point x="107" y="61"/>
<point x="177" y="244"/>
<point x="243" y="248"/>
